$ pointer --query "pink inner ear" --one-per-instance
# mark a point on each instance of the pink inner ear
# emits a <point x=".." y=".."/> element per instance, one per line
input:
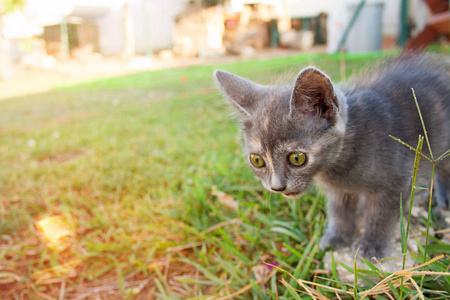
<point x="316" y="85"/>
<point x="314" y="94"/>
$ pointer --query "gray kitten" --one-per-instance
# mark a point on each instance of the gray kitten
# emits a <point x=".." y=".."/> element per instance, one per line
<point x="338" y="137"/>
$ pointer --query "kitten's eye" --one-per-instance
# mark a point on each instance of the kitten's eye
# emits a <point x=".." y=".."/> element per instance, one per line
<point x="297" y="159"/>
<point x="257" y="161"/>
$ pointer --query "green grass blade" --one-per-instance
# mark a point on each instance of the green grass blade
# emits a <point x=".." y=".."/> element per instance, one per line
<point x="438" y="248"/>
<point x="287" y="232"/>
<point x="394" y="291"/>
<point x="290" y="290"/>
<point x="369" y="264"/>
<point x="333" y="266"/>
<point x="403" y="241"/>
<point x="443" y="155"/>
<point x="258" y="291"/>
<point x="402" y="229"/>
<point x="307" y="266"/>
<point x="210" y="275"/>
<point x="232" y="248"/>
<point x="298" y="272"/>
<point x="355" y="274"/>
<point x="428" y="218"/>
<point x="410" y="147"/>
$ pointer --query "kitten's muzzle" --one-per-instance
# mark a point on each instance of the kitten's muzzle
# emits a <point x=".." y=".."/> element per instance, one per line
<point x="278" y="188"/>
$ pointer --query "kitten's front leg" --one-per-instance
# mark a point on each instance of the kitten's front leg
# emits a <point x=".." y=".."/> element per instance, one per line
<point x="342" y="220"/>
<point x="381" y="215"/>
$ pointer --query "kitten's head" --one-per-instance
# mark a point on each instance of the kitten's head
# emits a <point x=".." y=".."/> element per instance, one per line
<point x="290" y="132"/>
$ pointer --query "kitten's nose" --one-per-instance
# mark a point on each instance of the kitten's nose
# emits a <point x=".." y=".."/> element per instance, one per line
<point x="278" y="188"/>
<point x="277" y="183"/>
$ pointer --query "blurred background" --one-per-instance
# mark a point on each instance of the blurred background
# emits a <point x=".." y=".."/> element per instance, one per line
<point x="86" y="37"/>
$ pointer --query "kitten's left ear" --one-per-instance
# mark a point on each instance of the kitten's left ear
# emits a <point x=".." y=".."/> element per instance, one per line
<point x="241" y="92"/>
<point x="314" y="95"/>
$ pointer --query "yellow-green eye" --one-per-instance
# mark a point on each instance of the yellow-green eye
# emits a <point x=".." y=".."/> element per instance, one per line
<point x="257" y="160"/>
<point x="297" y="159"/>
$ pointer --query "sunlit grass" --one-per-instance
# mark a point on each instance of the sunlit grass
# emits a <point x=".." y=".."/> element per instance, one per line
<point x="146" y="171"/>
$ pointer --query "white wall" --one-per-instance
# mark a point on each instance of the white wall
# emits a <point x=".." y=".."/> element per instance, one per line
<point x="154" y="22"/>
<point x="391" y="13"/>
<point x="110" y="32"/>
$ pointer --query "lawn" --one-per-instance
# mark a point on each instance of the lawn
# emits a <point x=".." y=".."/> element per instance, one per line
<point x="135" y="187"/>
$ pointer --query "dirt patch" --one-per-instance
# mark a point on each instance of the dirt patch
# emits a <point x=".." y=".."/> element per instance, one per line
<point x="62" y="158"/>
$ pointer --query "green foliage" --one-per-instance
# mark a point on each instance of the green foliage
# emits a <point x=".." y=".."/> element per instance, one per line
<point x="10" y="5"/>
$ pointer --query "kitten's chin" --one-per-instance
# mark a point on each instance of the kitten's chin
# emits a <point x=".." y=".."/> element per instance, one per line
<point x="292" y="195"/>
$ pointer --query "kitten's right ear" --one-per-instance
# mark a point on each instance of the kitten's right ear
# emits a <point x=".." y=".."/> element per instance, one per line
<point x="241" y="92"/>
<point x="314" y="94"/>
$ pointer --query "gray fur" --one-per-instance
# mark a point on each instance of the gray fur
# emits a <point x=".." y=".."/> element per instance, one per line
<point x="344" y="132"/>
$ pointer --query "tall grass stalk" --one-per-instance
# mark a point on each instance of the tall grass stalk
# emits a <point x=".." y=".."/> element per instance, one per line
<point x="428" y="219"/>
<point x="404" y="234"/>
<point x="419" y="153"/>
<point x="355" y="274"/>
<point x="423" y="124"/>
<point x="431" y="184"/>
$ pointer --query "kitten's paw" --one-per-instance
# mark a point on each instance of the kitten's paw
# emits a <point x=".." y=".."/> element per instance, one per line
<point x="369" y="249"/>
<point x="332" y="239"/>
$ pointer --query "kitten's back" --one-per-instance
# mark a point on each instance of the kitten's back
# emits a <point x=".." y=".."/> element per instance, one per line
<point x="393" y="81"/>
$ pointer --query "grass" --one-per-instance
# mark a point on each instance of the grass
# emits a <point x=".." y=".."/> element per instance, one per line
<point x="135" y="187"/>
